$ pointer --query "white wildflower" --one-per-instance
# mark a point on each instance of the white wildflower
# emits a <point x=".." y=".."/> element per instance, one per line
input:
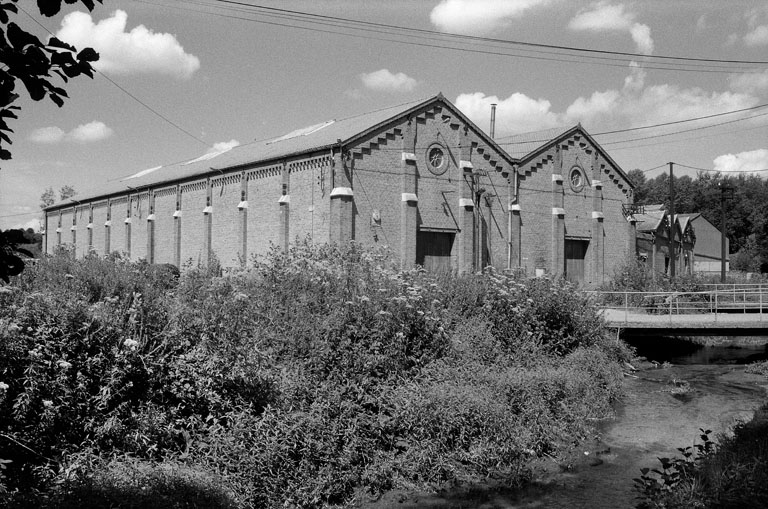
<point x="131" y="343"/>
<point x="64" y="364"/>
<point x="3" y="386"/>
<point x="47" y="403"/>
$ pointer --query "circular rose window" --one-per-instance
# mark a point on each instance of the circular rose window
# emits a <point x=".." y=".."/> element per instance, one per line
<point x="576" y="179"/>
<point x="436" y="160"/>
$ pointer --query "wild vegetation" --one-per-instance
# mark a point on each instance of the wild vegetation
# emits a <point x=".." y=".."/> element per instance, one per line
<point x="732" y="473"/>
<point x="311" y="379"/>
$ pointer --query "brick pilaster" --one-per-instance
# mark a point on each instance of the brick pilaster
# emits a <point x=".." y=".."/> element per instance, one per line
<point x="342" y="225"/>
<point x="409" y="198"/>
<point x="557" y="262"/>
<point x="598" y="227"/>
<point x="285" y="209"/>
<point x="242" y="233"/>
<point x="466" y="214"/>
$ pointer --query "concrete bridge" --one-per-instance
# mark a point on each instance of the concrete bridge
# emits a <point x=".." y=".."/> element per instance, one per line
<point x="719" y="310"/>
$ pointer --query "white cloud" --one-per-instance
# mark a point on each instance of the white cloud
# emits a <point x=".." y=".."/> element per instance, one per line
<point x="139" y="51"/>
<point x="51" y="134"/>
<point x="90" y="132"/>
<point x="635" y="104"/>
<point x="751" y="161"/>
<point x="516" y="114"/>
<point x="35" y="224"/>
<point x="605" y="17"/>
<point x="757" y="36"/>
<point x="750" y="83"/>
<point x="84" y="133"/>
<point x="386" y="81"/>
<point x="478" y="17"/>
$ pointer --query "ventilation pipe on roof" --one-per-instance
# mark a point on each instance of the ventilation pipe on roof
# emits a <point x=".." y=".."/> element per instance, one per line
<point x="493" y="120"/>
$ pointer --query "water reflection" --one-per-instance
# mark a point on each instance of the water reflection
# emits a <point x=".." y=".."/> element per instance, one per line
<point x="685" y="351"/>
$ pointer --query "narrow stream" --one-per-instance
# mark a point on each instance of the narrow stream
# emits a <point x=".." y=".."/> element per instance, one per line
<point x="687" y="387"/>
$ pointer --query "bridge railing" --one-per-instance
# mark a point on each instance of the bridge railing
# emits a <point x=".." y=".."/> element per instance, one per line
<point x="719" y="299"/>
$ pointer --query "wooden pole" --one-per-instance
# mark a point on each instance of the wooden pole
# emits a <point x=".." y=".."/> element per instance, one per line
<point x="672" y="223"/>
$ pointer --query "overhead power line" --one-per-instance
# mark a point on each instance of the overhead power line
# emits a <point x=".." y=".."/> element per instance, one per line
<point x="489" y="39"/>
<point x="510" y="48"/>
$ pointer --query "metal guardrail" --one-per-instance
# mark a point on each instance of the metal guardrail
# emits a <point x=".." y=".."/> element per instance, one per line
<point x="714" y="302"/>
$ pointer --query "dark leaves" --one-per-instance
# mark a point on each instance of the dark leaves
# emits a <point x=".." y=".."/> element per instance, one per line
<point x="49" y="7"/>
<point x="34" y="63"/>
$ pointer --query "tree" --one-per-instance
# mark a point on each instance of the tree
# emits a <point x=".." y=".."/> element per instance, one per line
<point x="48" y="197"/>
<point x="27" y="59"/>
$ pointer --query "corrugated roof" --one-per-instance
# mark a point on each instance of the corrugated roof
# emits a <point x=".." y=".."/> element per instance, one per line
<point x="522" y="144"/>
<point x="298" y="141"/>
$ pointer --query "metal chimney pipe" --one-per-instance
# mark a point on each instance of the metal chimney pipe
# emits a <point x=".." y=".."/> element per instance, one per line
<point x="493" y="120"/>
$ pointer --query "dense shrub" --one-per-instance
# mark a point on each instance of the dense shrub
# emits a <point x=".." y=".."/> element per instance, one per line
<point x="305" y="379"/>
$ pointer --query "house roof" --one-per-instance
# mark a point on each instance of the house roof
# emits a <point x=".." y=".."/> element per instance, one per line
<point x="685" y="219"/>
<point x="300" y="141"/>
<point x="650" y="220"/>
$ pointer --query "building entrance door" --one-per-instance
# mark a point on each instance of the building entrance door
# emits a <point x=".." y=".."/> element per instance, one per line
<point x="433" y="250"/>
<point x="575" y="253"/>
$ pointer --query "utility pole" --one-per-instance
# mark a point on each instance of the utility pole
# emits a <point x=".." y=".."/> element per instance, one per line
<point x="672" y="224"/>
<point x="726" y="192"/>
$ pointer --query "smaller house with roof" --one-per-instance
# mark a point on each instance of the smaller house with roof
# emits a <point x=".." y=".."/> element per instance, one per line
<point x="653" y="239"/>
<point x="707" y="249"/>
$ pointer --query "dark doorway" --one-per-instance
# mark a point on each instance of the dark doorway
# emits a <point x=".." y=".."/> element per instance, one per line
<point x="575" y="252"/>
<point x="433" y="250"/>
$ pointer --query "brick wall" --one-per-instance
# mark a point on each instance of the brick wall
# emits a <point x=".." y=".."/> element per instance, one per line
<point x="139" y="213"/>
<point x="193" y="201"/>
<point x="117" y="234"/>
<point x="98" y="230"/>
<point x="225" y="219"/>
<point x="165" y="239"/>
<point x="594" y="205"/>
<point x="310" y="198"/>
<point x="264" y="191"/>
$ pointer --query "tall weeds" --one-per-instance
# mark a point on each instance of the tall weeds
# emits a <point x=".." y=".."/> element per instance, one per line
<point x="308" y="379"/>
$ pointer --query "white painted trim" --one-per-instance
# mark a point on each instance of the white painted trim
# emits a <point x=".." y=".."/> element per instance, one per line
<point x="208" y="210"/>
<point x="177" y="213"/>
<point x="341" y="191"/>
<point x="466" y="202"/>
<point x="73" y="228"/>
<point x="557" y="178"/>
<point x="151" y="217"/>
<point x="515" y="208"/>
<point x="89" y="226"/>
<point x="127" y="220"/>
<point x="557" y="211"/>
<point x="597" y="215"/>
<point x="408" y="156"/>
<point x="465" y="165"/>
<point x="409" y="197"/>
<point x="243" y="204"/>
<point x="107" y="223"/>
<point x="286" y="198"/>
<point x="597" y="184"/>
<point x="58" y="230"/>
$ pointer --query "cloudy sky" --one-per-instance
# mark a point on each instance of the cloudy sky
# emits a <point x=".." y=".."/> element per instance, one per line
<point x="181" y="79"/>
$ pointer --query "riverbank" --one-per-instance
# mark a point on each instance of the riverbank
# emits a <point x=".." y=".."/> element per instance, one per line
<point x="662" y="410"/>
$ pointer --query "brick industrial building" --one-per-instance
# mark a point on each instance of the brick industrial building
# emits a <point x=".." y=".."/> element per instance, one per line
<point x="420" y="178"/>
